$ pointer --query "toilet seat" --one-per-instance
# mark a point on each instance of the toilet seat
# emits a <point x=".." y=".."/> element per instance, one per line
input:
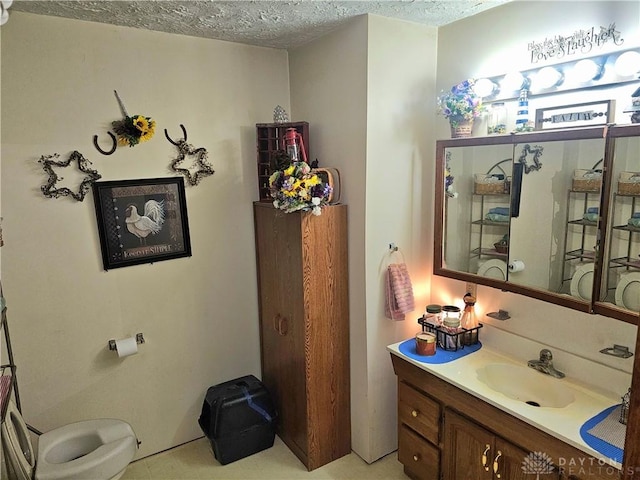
<point x="17" y="444"/>
<point x="93" y="449"/>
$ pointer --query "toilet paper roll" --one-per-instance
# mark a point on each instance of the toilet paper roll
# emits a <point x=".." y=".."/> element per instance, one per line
<point x="516" y="266"/>
<point x="126" y="347"/>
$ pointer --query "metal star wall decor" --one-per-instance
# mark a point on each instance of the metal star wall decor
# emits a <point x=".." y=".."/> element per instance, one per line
<point x="185" y="149"/>
<point x="537" y="153"/>
<point x="49" y="190"/>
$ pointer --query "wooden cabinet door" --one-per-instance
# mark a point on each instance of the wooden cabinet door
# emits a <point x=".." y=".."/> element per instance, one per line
<point x="513" y="463"/>
<point x="282" y="321"/>
<point x="468" y="450"/>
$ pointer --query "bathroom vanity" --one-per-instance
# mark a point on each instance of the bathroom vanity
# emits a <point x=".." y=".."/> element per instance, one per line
<point x="451" y="425"/>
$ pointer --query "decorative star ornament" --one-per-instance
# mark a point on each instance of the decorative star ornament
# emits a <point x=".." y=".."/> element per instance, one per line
<point x="49" y="190"/>
<point x="204" y="167"/>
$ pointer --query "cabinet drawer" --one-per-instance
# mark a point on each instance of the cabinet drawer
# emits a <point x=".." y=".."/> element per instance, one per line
<point x="419" y="412"/>
<point x="418" y="456"/>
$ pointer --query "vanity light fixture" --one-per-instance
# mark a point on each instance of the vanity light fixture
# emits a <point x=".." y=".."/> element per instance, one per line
<point x="598" y="71"/>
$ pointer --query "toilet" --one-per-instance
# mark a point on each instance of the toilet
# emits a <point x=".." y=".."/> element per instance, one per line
<point x="92" y="449"/>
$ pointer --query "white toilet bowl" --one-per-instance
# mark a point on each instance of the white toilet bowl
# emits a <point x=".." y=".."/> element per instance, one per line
<point x="93" y="449"/>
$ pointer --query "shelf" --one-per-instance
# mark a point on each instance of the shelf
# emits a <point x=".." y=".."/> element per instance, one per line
<point x="582" y="221"/>
<point x="582" y="254"/>
<point x="624" y="262"/>
<point x="491" y="223"/>
<point x="489" y="252"/>
<point x="627" y="228"/>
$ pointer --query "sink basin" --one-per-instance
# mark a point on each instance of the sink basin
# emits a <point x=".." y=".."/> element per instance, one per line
<point x="526" y="384"/>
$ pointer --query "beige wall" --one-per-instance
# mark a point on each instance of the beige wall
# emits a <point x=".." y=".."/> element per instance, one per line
<point x="505" y="33"/>
<point x="373" y="123"/>
<point x="199" y="315"/>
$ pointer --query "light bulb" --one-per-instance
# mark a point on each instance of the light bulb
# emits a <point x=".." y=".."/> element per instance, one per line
<point x="585" y="70"/>
<point x="546" y="77"/>
<point x="512" y="81"/>
<point x="484" y="87"/>
<point x="627" y="64"/>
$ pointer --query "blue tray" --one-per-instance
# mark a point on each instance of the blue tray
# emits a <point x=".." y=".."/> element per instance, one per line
<point x="408" y="348"/>
<point x="598" y="445"/>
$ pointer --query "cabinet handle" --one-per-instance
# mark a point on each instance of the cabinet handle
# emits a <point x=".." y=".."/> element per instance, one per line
<point x="416" y="457"/>
<point x="495" y="465"/>
<point x="280" y="324"/>
<point x="283" y="326"/>
<point x="484" y="457"/>
<point x="414" y="413"/>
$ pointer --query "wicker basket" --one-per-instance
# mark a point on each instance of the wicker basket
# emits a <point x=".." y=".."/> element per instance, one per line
<point x="629" y="183"/>
<point x="501" y="247"/>
<point x="462" y="129"/>
<point x="484" y="184"/>
<point x="586" y="181"/>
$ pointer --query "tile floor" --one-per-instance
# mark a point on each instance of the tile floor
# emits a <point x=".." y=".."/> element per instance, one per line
<point x="195" y="460"/>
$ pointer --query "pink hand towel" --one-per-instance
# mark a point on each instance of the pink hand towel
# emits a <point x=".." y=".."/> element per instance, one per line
<point x="399" y="292"/>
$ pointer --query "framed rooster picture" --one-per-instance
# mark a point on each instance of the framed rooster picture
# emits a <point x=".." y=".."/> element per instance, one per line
<point x="141" y="221"/>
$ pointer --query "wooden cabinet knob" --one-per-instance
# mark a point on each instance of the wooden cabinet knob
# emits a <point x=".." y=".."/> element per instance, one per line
<point x="416" y="457"/>
<point x="414" y="413"/>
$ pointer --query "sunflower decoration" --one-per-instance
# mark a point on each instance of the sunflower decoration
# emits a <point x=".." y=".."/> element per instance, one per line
<point x="133" y="129"/>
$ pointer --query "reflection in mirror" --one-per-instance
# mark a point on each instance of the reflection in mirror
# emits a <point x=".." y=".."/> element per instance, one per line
<point x="477" y="209"/>
<point x="621" y="271"/>
<point x="553" y="239"/>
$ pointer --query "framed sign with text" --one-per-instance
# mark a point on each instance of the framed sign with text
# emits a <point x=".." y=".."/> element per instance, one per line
<point x="142" y="221"/>
<point x="577" y="115"/>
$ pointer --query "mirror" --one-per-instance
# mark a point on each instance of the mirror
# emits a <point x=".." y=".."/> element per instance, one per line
<point x="521" y="212"/>
<point x="619" y="292"/>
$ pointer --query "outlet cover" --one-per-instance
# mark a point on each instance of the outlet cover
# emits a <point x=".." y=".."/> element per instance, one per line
<point x="472" y="288"/>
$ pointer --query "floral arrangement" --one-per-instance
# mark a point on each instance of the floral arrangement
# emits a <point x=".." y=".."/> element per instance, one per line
<point x="448" y="178"/>
<point x="461" y="104"/>
<point x="134" y="130"/>
<point x="298" y="188"/>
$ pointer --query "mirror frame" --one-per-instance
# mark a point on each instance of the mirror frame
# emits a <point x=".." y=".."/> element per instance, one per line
<point x="578" y="133"/>
<point x="599" y="307"/>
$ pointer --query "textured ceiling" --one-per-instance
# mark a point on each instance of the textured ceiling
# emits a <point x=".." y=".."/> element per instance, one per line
<point x="274" y="23"/>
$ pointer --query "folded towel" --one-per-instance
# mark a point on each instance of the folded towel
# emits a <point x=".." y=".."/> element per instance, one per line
<point x="494" y="217"/>
<point x="590" y="217"/>
<point x="499" y="210"/>
<point x="634" y="222"/>
<point x="592" y="210"/>
<point x="635" y="215"/>
<point x="399" y="292"/>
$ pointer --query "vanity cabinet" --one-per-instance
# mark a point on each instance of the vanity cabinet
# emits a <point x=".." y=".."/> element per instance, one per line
<point x="471" y="451"/>
<point x="446" y="433"/>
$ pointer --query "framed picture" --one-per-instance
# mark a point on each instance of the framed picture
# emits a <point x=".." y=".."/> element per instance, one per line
<point x="577" y="115"/>
<point x="141" y="221"/>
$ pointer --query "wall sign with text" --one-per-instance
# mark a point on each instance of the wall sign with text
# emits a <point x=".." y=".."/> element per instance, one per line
<point x="577" y="115"/>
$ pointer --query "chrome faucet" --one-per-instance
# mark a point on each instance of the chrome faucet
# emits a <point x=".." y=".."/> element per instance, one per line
<point x="545" y="364"/>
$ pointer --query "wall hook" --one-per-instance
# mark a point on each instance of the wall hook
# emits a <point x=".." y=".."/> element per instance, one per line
<point x="105" y="152"/>
<point x="177" y="144"/>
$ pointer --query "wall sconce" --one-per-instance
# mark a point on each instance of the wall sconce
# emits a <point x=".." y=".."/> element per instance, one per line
<point x="601" y="70"/>
<point x="484" y="87"/>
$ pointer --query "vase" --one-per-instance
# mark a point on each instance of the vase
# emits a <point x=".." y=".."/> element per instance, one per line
<point x="462" y="129"/>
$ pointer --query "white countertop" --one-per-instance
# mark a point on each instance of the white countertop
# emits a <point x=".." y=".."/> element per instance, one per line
<point x="562" y="423"/>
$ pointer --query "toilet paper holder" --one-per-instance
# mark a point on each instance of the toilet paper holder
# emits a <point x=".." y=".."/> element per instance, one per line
<point x="139" y="340"/>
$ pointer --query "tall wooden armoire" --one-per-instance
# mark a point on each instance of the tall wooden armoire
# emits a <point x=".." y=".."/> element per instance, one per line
<point x="304" y="327"/>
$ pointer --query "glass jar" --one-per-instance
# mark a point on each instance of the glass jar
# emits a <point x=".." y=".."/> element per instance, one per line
<point x="497" y="119"/>
<point x="451" y="325"/>
<point x="434" y="315"/>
